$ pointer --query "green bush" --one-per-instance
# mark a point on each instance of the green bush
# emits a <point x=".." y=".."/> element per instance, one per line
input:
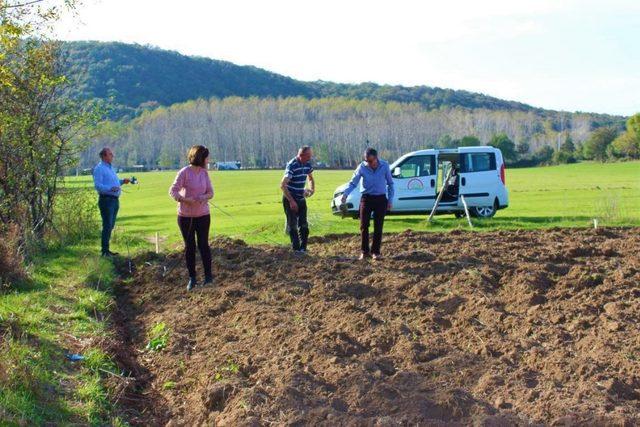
<point x="560" y="157"/>
<point x="11" y="259"/>
<point x="76" y="215"/>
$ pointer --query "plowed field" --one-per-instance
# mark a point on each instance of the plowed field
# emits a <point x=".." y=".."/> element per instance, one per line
<point x="530" y="327"/>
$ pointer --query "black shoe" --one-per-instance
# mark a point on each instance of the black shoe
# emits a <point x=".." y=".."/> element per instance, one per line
<point x="208" y="280"/>
<point x="113" y="253"/>
<point x="192" y="283"/>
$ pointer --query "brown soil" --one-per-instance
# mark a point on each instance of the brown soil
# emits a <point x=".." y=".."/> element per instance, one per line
<point x="500" y="328"/>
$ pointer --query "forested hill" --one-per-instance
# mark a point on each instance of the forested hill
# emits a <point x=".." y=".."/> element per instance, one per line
<point x="134" y="78"/>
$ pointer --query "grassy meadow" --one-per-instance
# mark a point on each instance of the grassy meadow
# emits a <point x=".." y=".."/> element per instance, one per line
<point x="247" y="204"/>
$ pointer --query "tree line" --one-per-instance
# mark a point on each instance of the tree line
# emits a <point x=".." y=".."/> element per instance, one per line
<point x="135" y="78"/>
<point x="603" y="144"/>
<point x="264" y="132"/>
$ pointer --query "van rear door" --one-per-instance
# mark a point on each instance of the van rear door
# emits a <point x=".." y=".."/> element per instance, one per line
<point x="478" y="175"/>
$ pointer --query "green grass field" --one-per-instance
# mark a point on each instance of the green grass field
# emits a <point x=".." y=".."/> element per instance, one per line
<point x="247" y="204"/>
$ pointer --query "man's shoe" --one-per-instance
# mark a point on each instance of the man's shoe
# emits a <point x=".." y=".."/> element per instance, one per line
<point x="113" y="253"/>
<point x="192" y="283"/>
<point x="208" y="280"/>
<point x="377" y="256"/>
<point x="364" y="256"/>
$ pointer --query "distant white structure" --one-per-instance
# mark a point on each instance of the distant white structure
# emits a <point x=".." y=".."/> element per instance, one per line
<point x="227" y="166"/>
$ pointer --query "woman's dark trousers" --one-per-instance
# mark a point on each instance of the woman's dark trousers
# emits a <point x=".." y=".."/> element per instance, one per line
<point x="190" y="229"/>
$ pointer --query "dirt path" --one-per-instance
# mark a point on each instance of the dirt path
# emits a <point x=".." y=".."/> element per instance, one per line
<point x="464" y="328"/>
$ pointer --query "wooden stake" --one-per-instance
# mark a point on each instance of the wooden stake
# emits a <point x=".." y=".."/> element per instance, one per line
<point x="157" y="243"/>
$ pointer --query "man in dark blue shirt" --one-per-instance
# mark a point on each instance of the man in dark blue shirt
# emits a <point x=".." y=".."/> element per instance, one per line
<point x="294" y="193"/>
<point x="375" y="178"/>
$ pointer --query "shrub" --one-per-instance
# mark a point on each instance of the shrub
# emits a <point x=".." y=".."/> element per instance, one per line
<point x="11" y="257"/>
<point x="75" y="215"/>
<point x="560" y="157"/>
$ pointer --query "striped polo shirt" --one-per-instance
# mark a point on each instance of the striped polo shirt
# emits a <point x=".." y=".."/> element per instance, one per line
<point x="297" y="173"/>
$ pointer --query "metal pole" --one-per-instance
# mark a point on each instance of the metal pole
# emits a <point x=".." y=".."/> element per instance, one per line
<point x="466" y="211"/>
<point x="444" y="183"/>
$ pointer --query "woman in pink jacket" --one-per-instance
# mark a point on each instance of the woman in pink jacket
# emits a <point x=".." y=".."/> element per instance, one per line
<point x="192" y="190"/>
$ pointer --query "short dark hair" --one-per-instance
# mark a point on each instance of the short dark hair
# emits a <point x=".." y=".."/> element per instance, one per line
<point x="197" y="155"/>
<point x="304" y="149"/>
<point x="103" y="152"/>
<point x="369" y="152"/>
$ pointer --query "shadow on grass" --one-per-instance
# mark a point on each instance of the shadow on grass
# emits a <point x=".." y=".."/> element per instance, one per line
<point x="29" y="393"/>
<point x="154" y="219"/>
<point x="49" y="265"/>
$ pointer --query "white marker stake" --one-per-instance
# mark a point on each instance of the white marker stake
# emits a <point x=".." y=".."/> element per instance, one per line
<point x="595" y="223"/>
<point x="157" y="243"/>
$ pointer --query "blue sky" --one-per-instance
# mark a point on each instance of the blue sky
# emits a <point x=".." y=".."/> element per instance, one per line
<point x="566" y="55"/>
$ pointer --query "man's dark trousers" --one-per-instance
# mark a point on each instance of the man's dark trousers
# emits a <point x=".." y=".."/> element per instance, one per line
<point x="297" y="225"/>
<point x="109" y="206"/>
<point x="378" y="206"/>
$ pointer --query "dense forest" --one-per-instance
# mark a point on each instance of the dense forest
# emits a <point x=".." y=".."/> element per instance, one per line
<point x="136" y="78"/>
<point x="266" y="132"/>
<point x="160" y="102"/>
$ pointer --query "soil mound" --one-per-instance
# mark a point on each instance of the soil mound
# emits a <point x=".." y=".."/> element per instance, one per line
<point x="500" y="328"/>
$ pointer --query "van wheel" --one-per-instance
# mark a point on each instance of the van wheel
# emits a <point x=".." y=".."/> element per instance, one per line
<point x="484" y="211"/>
<point x="459" y="215"/>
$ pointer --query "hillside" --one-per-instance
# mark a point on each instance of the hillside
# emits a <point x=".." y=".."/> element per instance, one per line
<point x="162" y="102"/>
<point x="136" y="77"/>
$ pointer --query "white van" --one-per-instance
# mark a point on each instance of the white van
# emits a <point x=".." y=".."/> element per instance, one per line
<point x="418" y="176"/>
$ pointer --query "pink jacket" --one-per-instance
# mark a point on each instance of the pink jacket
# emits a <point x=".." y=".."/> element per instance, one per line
<point x="192" y="184"/>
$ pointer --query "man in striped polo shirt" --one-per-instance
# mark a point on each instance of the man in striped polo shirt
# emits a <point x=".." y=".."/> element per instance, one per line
<point x="294" y="193"/>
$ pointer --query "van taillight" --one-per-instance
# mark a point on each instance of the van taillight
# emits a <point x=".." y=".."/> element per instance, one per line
<point x="502" y="175"/>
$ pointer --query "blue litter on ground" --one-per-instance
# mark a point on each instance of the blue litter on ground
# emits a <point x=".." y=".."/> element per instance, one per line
<point x="74" y="357"/>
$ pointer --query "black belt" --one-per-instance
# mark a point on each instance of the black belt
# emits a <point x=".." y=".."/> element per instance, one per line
<point x="109" y="196"/>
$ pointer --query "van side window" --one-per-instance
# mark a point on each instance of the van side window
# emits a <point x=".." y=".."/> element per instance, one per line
<point x="418" y="166"/>
<point x="478" y="162"/>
